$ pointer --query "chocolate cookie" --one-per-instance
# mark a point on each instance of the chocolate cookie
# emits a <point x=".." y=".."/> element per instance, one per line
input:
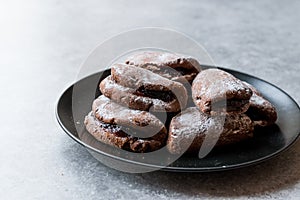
<point x="132" y="130"/>
<point x="141" y="89"/>
<point x="216" y="91"/>
<point x="169" y="65"/>
<point x="189" y="129"/>
<point x="261" y="111"/>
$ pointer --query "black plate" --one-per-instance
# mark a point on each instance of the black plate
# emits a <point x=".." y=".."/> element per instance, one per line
<point x="267" y="143"/>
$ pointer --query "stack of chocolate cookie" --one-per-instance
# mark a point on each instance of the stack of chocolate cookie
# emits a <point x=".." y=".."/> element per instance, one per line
<point x="126" y="115"/>
<point x="150" y="81"/>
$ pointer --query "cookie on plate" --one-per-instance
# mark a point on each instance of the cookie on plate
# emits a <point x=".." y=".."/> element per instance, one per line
<point x="261" y="111"/>
<point x="216" y="91"/>
<point x="189" y="129"/>
<point x="173" y="66"/>
<point x="141" y="89"/>
<point x="132" y="130"/>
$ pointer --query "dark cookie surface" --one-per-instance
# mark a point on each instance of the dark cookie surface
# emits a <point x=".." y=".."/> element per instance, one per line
<point x="142" y="89"/>
<point x="169" y="65"/>
<point x="189" y="129"/>
<point x="261" y="111"/>
<point x="132" y="130"/>
<point x="216" y="91"/>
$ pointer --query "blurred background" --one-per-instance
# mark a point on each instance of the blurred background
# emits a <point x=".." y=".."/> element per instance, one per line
<point x="43" y="43"/>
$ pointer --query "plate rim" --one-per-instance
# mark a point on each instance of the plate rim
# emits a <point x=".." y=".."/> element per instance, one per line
<point x="181" y="169"/>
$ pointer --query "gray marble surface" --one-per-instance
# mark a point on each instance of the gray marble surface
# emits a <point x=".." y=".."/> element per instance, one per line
<point x="43" y="43"/>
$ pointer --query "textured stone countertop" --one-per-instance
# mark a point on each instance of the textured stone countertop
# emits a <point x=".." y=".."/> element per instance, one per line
<point x="42" y="46"/>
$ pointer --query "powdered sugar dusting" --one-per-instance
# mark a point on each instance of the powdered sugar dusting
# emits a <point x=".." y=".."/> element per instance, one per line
<point x="113" y="113"/>
<point x="218" y="84"/>
<point x="160" y="59"/>
<point x="133" y="77"/>
<point x="258" y="100"/>
<point x="124" y="95"/>
<point x="139" y="76"/>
